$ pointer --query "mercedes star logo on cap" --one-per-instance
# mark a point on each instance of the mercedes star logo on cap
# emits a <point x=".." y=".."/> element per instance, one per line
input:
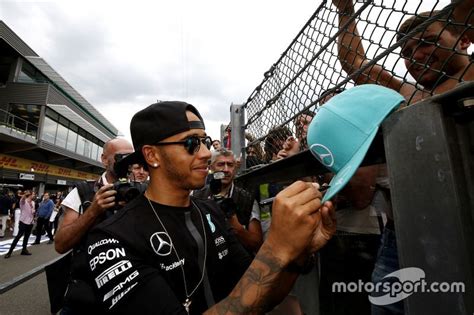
<point x="323" y="154"/>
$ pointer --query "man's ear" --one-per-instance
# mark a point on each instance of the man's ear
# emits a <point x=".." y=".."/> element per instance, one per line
<point x="151" y="156"/>
<point x="103" y="158"/>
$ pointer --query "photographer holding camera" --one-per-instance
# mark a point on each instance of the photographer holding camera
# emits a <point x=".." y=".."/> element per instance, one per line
<point x="239" y="206"/>
<point x="75" y="223"/>
<point x="80" y="214"/>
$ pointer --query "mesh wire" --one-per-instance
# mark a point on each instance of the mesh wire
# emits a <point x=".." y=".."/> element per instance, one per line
<point x="310" y="69"/>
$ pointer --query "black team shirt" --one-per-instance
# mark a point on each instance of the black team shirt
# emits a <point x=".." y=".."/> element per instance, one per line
<point x="135" y="270"/>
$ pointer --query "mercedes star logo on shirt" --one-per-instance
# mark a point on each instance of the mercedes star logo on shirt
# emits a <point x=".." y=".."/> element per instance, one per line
<point x="161" y="243"/>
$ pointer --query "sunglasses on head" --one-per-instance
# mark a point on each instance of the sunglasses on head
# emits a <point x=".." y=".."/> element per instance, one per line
<point x="192" y="144"/>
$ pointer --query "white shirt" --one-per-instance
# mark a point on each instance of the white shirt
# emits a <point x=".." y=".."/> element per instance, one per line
<point x="73" y="200"/>
<point x="365" y="221"/>
<point x="255" y="211"/>
<point x="362" y="221"/>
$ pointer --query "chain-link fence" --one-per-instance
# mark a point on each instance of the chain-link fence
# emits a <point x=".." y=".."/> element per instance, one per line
<point x="343" y="44"/>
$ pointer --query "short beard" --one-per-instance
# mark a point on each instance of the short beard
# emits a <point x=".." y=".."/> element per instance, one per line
<point x="111" y="171"/>
<point x="173" y="174"/>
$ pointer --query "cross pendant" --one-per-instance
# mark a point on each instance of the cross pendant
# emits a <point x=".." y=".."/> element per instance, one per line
<point x="187" y="304"/>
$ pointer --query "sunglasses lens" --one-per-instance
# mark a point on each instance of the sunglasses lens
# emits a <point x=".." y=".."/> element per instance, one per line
<point x="191" y="144"/>
<point x="208" y="142"/>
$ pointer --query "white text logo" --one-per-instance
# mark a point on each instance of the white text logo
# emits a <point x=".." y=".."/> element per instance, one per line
<point x="219" y="241"/>
<point x="341" y="175"/>
<point x="409" y="280"/>
<point x="173" y="265"/>
<point x="112" y="272"/>
<point x="100" y="243"/>
<point x="120" y="286"/>
<point x="108" y="255"/>
<point x="223" y="253"/>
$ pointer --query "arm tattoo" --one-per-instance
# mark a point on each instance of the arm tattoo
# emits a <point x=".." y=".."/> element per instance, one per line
<point x="254" y="294"/>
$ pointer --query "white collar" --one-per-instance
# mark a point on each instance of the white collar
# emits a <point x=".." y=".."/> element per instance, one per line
<point x="104" y="178"/>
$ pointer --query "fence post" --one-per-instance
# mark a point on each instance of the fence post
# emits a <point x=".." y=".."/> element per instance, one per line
<point x="237" y="117"/>
<point x="429" y="155"/>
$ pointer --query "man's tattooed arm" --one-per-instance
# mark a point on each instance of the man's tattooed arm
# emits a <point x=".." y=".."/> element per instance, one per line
<point x="300" y="226"/>
<point x="262" y="287"/>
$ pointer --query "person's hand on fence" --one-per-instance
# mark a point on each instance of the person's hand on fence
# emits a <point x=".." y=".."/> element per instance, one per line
<point x="290" y="147"/>
<point x="344" y="6"/>
<point x="282" y="154"/>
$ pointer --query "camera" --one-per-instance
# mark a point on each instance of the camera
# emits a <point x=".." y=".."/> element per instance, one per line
<point x="126" y="190"/>
<point x="121" y="165"/>
<point x="226" y="204"/>
<point x="215" y="184"/>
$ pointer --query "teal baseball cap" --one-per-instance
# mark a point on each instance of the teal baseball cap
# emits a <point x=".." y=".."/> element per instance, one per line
<point x="342" y="130"/>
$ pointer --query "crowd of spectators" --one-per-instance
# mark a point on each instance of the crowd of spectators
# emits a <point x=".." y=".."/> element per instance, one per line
<point x="24" y="213"/>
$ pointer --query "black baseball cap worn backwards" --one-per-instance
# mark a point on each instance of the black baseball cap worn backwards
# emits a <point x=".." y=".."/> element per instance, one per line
<point x="158" y="122"/>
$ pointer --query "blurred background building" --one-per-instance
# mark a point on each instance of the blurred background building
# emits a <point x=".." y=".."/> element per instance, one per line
<point x="50" y="136"/>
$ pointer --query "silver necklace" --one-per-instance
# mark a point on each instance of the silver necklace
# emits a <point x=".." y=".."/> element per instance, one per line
<point x="188" y="301"/>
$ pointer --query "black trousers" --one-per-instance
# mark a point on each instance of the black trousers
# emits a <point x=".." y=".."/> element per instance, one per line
<point x="25" y="231"/>
<point x="40" y="223"/>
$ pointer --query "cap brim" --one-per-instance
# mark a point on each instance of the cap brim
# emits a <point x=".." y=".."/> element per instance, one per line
<point x="121" y="168"/>
<point x="345" y="174"/>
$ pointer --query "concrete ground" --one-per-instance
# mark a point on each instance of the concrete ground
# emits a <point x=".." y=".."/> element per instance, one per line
<point x="31" y="296"/>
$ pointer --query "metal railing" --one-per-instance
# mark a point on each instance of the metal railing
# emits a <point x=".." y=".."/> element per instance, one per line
<point x="18" y="125"/>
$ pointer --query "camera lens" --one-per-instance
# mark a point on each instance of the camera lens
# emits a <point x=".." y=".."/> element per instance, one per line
<point x="131" y="193"/>
<point x="128" y="191"/>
